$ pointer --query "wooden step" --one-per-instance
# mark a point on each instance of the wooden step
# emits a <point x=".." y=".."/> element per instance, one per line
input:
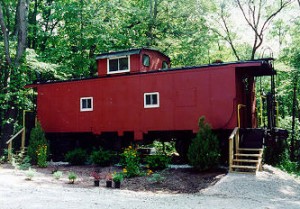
<point x="245" y="161"/>
<point x="251" y="149"/>
<point x="244" y="167"/>
<point x="247" y="155"/>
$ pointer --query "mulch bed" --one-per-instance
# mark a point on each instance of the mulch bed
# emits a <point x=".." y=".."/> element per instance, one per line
<point x="180" y="180"/>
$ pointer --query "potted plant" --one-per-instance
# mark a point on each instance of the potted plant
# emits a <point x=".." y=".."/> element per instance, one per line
<point x="96" y="177"/>
<point x="109" y="180"/>
<point x="117" y="178"/>
<point x="72" y="177"/>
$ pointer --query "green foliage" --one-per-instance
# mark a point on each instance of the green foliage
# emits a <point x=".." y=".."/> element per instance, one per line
<point x="287" y="165"/>
<point x="21" y="161"/>
<point x="30" y="173"/>
<point x="101" y="157"/>
<point x="72" y="177"/>
<point x="156" y="178"/>
<point x="42" y="156"/>
<point x="37" y="142"/>
<point x="131" y="162"/>
<point x="162" y="148"/>
<point x="118" y="177"/>
<point x="57" y="174"/>
<point x="204" y="150"/>
<point x="157" y="162"/>
<point x="77" y="156"/>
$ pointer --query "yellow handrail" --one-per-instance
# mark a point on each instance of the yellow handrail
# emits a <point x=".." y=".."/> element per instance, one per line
<point x="233" y="139"/>
<point x="238" y="112"/>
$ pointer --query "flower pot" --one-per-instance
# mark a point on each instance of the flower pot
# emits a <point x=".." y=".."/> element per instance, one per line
<point x="117" y="184"/>
<point x="96" y="183"/>
<point x="108" y="183"/>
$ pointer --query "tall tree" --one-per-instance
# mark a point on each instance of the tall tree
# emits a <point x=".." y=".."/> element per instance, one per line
<point x="11" y="64"/>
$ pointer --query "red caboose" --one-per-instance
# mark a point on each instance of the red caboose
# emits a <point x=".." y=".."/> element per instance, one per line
<point x="137" y="96"/>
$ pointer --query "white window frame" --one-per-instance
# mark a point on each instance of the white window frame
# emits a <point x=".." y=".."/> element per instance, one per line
<point x="118" y="71"/>
<point x="86" y="109"/>
<point x="151" y="105"/>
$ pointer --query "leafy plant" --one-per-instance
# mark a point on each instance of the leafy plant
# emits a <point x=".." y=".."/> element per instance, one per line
<point x="21" y="161"/>
<point x="118" y="177"/>
<point x="204" y="150"/>
<point x="157" y="162"/>
<point x="57" y="174"/>
<point x="37" y="140"/>
<point x="77" y="156"/>
<point x="30" y="173"/>
<point x="42" y="156"/>
<point x="131" y="161"/>
<point x="101" y="157"/>
<point x="72" y="177"/>
<point x="156" y="178"/>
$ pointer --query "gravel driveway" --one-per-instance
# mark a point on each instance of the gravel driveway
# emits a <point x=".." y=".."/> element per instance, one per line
<point x="270" y="189"/>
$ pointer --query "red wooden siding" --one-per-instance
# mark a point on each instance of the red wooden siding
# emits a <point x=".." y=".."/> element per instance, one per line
<point x="185" y="95"/>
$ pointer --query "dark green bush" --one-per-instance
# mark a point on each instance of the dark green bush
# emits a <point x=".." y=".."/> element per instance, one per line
<point x="77" y="156"/>
<point x="157" y="162"/>
<point x="204" y="151"/>
<point x="101" y="157"/>
<point x="275" y="153"/>
<point x="37" y="139"/>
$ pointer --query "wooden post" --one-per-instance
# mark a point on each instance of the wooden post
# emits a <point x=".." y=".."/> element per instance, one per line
<point x="230" y="154"/>
<point x="9" y="151"/>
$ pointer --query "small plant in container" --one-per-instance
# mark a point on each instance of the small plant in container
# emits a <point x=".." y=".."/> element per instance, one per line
<point x="109" y="180"/>
<point x="117" y="178"/>
<point x="97" y="177"/>
<point x="72" y="177"/>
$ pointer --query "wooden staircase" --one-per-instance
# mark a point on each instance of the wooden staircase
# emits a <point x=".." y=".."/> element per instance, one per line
<point x="243" y="160"/>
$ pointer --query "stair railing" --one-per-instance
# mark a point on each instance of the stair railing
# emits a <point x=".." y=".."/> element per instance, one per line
<point x="9" y="143"/>
<point x="234" y="144"/>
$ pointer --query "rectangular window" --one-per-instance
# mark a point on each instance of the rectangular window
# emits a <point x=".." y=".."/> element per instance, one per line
<point x="118" y="65"/>
<point x="151" y="100"/>
<point x="86" y="104"/>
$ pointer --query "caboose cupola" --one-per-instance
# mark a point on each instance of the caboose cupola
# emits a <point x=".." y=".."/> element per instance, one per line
<point x="131" y="61"/>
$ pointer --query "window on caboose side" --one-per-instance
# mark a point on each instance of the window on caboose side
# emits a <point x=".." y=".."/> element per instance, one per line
<point x="86" y="104"/>
<point x="118" y="65"/>
<point x="151" y="100"/>
<point x="146" y="60"/>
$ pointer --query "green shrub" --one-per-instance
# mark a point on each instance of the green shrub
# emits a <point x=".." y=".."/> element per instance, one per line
<point x="101" y="157"/>
<point x="77" y="156"/>
<point x="57" y="174"/>
<point x="21" y="161"/>
<point x="72" y="177"/>
<point x="37" y="139"/>
<point x="157" y="162"/>
<point x="204" y="151"/>
<point x="42" y="156"/>
<point x="131" y="162"/>
<point x="156" y="178"/>
<point x="30" y="173"/>
<point x="275" y="153"/>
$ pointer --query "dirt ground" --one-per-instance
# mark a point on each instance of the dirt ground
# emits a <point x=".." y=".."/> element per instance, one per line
<point x="180" y="180"/>
<point x="270" y="189"/>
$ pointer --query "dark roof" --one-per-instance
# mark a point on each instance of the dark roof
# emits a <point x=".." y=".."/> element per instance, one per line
<point x="263" y="69"/>
<point x="126" y="52"/>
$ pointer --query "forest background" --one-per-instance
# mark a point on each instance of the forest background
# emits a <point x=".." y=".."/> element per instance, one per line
<point x="58" y="40"/>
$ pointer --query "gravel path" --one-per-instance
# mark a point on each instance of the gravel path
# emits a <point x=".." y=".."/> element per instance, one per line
<point x="271" y="189"/>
